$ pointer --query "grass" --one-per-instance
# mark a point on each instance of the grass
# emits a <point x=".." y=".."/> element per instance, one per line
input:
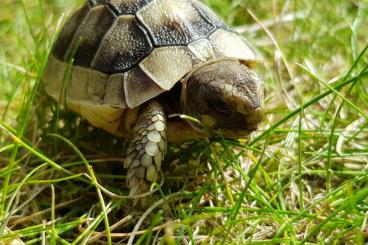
<point x="300" y="179"/>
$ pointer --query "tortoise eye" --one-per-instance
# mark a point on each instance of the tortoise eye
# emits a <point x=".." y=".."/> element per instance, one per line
<point x="219" y="106"/>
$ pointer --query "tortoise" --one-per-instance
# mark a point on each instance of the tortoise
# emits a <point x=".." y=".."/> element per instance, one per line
<point x="127" y="65"/>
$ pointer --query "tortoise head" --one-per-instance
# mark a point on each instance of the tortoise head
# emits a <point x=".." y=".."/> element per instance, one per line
<point x="226" y="96"/>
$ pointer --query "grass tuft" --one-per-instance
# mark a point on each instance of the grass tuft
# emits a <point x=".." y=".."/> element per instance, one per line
<point x="301" y="179"/>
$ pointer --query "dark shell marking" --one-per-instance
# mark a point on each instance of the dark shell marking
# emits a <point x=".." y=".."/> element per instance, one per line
<point x="124" y="45"/>
<point x="89" y="35"/>
<point x="113" y="36"/>
<point x="65" y="38"/>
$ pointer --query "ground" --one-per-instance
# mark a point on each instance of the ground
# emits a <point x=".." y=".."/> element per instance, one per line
<point x="300" y="179"/>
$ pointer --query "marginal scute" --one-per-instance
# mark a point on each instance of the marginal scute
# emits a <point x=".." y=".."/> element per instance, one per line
<point x="167" y="65"/>
<point x="97" y="82"/>
<point x="114" y="94"/>
<point x="128" y="6"/>
<point x="174" y="22"/>
<point x="232" y="45"/>
<point x="86" y="92"/>
<point x="53" y="77"/>
<point x="139" y="88"/>
<point x="66" y="35"/>
<point x="89" y="35"/>
<point x="202" y="50"/>
<point x="77" y="87"/>
<point x="124" y="45"/>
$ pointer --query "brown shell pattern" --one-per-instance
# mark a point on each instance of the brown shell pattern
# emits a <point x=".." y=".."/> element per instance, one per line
<point x="143" y="47"/>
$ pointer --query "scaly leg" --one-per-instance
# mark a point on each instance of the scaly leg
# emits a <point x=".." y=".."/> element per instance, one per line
<point x="147" y="149"/>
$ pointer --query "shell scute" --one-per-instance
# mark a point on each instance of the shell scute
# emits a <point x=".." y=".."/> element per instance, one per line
<point x="128" y="6"/>
<point x="66" y="35"/>
<point x="139" y="88"/>
<point x="89" y="35"/>
<point x="124" y="45"/>
<point x="202" y="50"/>
<point x="232" y="45"/>
<point x="167" y="65"/>
<point x="174" y="22"/>
<point x="114" y="94"/>
<point x="97" y="87"/>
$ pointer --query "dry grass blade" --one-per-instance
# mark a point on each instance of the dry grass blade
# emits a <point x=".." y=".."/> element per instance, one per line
<point x="301" y="178"/>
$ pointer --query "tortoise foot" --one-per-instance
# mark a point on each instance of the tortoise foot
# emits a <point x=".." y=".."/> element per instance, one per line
<point x="147" y="149"/>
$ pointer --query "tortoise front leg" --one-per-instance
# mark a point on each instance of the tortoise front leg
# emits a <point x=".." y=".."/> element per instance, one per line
<point x="147" y="148"/>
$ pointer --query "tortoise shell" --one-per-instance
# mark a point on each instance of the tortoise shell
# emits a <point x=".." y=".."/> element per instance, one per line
<point x="122" y="53"/>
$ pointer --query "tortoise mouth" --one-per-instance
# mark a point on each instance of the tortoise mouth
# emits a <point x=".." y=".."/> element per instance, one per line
<point x="250" y="125"/>
<point x="239" y="130"/>
<point x="235" y="133"/>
